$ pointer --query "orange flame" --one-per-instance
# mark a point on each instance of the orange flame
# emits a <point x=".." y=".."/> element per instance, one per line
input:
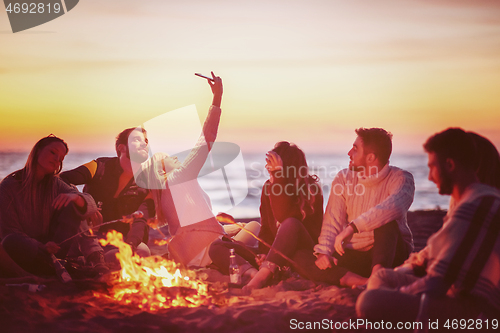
<point x="153" y="283"/>
<point x="160" y="242"/>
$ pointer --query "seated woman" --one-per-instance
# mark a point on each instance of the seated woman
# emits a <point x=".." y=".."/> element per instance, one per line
<point x="38" y="211"/>
<point x="179" y="199"/>
<point x="291" y="213"/>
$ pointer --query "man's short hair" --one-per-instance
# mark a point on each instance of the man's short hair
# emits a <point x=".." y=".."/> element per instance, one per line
<point x="122" y="138"/>
<point x="456" y="144"/>
<point x="377" y="141"/>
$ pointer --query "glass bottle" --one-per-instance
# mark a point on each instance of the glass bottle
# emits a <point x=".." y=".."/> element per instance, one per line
<point x="234" y="270"/>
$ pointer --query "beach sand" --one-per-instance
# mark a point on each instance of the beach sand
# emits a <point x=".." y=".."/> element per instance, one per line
<point x="74" y="307"/>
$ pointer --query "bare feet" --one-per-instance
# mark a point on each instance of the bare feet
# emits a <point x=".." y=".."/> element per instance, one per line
<point x="352" y="280"/>
<point x="259" y="280"/>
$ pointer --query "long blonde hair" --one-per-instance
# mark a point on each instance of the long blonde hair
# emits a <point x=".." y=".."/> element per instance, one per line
<point x="157" y="182"/>
<point x="39" y="194"/>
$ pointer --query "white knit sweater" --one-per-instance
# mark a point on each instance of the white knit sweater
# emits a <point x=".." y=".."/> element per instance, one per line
<point x="370" y="203"/>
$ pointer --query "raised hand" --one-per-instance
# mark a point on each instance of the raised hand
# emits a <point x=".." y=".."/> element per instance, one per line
<point x="273" y="161"/>
<point x="216" y="86"/>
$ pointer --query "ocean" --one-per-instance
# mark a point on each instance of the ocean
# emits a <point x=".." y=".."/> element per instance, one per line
<point x="244" y="190"/>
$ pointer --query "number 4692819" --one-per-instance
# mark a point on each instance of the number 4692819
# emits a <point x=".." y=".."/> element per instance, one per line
<point x="33" y="8"/>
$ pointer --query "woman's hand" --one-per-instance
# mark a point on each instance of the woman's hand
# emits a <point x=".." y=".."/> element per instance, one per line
<point x="64" y="199"/>
<point x="273" y="161"/>
<point x="216" y="86"/>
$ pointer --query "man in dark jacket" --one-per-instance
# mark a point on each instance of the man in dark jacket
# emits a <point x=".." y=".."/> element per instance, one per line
<point x="111" y="182"/>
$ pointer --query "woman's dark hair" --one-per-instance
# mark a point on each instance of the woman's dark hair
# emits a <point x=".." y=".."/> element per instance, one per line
<point x="296" y="172"/>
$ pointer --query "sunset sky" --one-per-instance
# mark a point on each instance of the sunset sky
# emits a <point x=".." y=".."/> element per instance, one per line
<point x="304" y="71"/>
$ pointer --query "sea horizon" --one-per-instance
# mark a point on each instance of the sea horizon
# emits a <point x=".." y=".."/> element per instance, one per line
<point x="325" y="166"/>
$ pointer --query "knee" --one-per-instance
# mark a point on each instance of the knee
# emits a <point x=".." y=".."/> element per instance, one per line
<point x="143" y="250"/>
<point x="367" y="302"/>
<point x="216" y="247"/>
<point x="378" y="278"/>
<point x="290" y="223"/>
<point x="391" y="227"/>
<point x="14" y="243"/>
<point x="9" y="243"/>
<point x="253" y="226"/>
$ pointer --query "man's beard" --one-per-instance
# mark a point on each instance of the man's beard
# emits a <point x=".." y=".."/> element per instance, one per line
<point x="359" y="168"/>
<point x="446" y="184"/>
<point x="136" y="156"/>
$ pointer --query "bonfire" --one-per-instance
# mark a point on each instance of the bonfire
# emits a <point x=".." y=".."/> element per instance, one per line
<point x="153" y="283"/>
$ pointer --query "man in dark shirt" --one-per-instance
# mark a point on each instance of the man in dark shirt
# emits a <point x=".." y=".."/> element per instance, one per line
<point x="110" y="181"/>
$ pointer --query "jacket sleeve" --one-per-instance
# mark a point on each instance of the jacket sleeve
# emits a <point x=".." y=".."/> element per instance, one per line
<point x="81" y="175"/>
<point x="335" y="217"/>
<point x="9" y="218"/>
<point x="396" y="205"/>
<point x="90" y="206"/>
<point x="266" y="233"/>
<point x="445" y="247"/>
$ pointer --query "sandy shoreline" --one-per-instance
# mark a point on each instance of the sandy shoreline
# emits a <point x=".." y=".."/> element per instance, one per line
<point x="280" y="308"/>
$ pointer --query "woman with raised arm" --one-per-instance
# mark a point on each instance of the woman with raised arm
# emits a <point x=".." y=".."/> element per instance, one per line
<point x="179" y="199"/>
<point x="38" y="211"/>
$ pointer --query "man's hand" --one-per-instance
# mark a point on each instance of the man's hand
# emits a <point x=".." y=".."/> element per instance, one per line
<point x="346" y="234"/>
<point x="96" y="219"/>
<point x="64" y="199"/>
<point x="217" y="89"/>
<point x="324" y="261"/>
<point x="52" y="247"/>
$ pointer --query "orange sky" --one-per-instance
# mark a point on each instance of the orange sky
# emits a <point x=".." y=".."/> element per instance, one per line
<point x="304" y="71"/>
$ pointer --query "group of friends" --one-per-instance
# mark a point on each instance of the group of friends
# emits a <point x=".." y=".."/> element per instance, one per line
<point x="361" y="240"/>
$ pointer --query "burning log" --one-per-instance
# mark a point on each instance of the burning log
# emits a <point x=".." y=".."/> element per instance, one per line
<point x="153" y="283"/>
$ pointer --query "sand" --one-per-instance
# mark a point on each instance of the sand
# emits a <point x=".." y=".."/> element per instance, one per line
<point x="291" y="303"/>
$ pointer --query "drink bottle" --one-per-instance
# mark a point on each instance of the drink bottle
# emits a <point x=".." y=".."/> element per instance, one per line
<point x="234" y="270"/>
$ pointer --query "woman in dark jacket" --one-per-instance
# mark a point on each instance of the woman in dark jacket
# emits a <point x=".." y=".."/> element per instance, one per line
<point x="291" y="213"/>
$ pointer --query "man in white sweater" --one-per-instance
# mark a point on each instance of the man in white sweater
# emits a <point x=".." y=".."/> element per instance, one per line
<point x="365" y="226"/>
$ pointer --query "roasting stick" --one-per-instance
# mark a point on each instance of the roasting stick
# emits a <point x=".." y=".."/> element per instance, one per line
<point x="126" y="219"/>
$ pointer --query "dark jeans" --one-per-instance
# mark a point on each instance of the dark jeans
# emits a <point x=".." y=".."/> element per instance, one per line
<point x="388" y="304"/>
<point x="389" y="250"/>
<point x="29" y="253"/>
<point x="292" y="237"/>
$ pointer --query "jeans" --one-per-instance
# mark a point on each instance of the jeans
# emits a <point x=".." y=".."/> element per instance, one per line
<point x="389" y="250"/>
<point x="291" y="238"/>
<point x="385" y="302"/>
<point x="30" y="254"/>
